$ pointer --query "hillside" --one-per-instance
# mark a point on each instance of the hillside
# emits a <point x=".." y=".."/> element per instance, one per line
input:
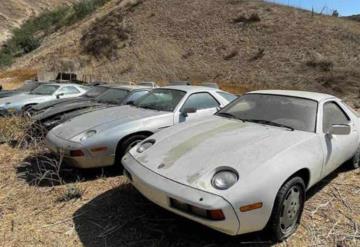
<point x="354" y="17"/>
<point x="14" y="12"/>
<point x="251" y="44"/>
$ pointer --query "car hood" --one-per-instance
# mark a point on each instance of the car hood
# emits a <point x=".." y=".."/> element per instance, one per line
<point x="64" y="108"/>
<point x="4" y="94"/>
<point x="21" y="98"/>
<point x="103" y="120"/>
<point x="57" y="102"/>
<point x="191" y="152"/>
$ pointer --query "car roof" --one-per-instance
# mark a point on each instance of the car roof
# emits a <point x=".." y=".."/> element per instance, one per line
<point x="296" y="93"/>
<point x="192" y="89"/>
<point x="62" y="84"/>
<point x="122" y="86"/>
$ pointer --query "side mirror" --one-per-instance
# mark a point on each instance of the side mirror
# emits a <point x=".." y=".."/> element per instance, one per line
<point x="186" y="111"/>
<point x="59" y="95"/>
<point x="339" y="129"/>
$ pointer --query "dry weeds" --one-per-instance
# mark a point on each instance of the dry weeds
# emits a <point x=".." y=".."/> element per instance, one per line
<point x="12" y="79"/>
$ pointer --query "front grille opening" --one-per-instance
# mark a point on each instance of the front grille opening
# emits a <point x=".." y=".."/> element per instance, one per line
<point x="215" y="215"/>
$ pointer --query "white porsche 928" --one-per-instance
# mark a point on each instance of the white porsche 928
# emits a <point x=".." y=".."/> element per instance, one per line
<point x="248" y="167"/>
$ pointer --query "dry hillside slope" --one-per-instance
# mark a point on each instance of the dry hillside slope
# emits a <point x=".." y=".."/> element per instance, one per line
<point x="15" y="12"/>
<point x="239" y="43"/>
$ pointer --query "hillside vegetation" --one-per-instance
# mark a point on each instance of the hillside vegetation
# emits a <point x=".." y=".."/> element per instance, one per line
<point x="14" y="12"/>
<point x="238" y="43"/>
<point x="354" y="17"/>
<point x="29" y="36"/>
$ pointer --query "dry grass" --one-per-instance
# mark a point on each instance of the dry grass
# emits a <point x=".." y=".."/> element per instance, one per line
<point x="12" y="79"/>
<point x="13" y="129"/>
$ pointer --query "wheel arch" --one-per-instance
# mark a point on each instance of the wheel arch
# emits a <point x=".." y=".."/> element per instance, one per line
<point x="303" y="173"/>
<point x="145" y="132"/>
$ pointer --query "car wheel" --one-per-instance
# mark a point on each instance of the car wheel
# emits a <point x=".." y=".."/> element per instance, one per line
<point x="27" y="110"/>
<point x="126" y="145"/>
<point x="288" y="208"/>
<point x="355" y="160"/>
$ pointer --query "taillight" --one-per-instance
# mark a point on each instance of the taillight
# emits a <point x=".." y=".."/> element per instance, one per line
<point x="76" y="153"/>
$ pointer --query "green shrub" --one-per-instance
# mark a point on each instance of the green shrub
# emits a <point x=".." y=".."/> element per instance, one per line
<point x="30" y="35"/>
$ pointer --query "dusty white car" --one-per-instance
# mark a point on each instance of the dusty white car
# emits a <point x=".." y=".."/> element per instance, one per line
<point x="101" y="138"/>
<point x="42" y="93"/>
<point x="248" y="167"/>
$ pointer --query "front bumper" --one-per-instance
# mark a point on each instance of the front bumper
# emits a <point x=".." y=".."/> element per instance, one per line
<point x="159" y="190"/>
<point x="63" y="147"/>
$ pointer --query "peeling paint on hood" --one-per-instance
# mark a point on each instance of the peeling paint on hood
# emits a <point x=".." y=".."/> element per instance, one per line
<point x="192" y="152"/>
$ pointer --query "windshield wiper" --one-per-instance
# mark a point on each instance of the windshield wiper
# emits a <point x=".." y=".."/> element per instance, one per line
<point x="149" y="108"/>
<point x="262" y="121"/>
<point x="227" y="115"/>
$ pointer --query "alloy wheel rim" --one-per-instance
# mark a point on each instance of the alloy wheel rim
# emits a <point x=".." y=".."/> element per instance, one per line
<point x="290" y="210"/>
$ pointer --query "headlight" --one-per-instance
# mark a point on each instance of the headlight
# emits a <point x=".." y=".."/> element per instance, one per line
<point x="145" y="145"/>
<point x="87" y="135"/>
<point x="224" y="179"/>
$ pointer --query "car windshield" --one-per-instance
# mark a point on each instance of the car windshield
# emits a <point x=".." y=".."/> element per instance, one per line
<point x="95" y="91"/>
<point x="161" y="99"/>
<point x="113" y="96"/>
<point x="27" y="87"/>
<point x="282" y="111"/>
<point x="45" y="90"/>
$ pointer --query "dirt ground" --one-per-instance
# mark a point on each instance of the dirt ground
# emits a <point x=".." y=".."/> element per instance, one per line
<point x="34" y="210"/>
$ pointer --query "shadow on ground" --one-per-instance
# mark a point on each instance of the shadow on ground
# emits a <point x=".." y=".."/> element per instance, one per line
<point x="46" y="170"/>
<point x="123" y="217"/>
<point x="346" y="167"/>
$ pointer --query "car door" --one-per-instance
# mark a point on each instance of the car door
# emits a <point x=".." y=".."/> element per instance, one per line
<point x="337" y="148"/>
<point x="68" y="92"/>
<point x="203" y="103"/>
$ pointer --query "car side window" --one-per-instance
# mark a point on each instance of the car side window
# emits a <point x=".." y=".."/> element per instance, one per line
<point x="135" y="96"/>
<point x="333" y="114"/>
<point x="68" y="90"/>
<point x="201" y="101"/>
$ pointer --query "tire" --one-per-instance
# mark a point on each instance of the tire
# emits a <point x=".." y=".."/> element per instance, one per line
<point x="355" y="160"/>
<point x="288" y="208"/>
<point x="27" y="110"/>
<point x="126" y="145"/>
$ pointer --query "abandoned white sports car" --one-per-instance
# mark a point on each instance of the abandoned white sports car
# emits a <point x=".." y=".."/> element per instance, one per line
<point x="248" y="167"/>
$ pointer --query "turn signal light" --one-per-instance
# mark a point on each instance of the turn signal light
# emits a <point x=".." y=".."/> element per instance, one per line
<point x="216" y="214"/>
<point x="99" y="149"/>
<point x="76" y="153"/>
<point x="251" y="207"/>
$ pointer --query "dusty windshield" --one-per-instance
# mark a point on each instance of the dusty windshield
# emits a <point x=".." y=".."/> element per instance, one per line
<point x="45" y="90"/>
<point x="95" y="91"/>
<point x="161" y="99"/>
<point x="282" y="111"/>
<point x="113" y="96"/>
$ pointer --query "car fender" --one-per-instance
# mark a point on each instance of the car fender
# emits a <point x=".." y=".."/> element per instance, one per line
<point x="263" y="184"/>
